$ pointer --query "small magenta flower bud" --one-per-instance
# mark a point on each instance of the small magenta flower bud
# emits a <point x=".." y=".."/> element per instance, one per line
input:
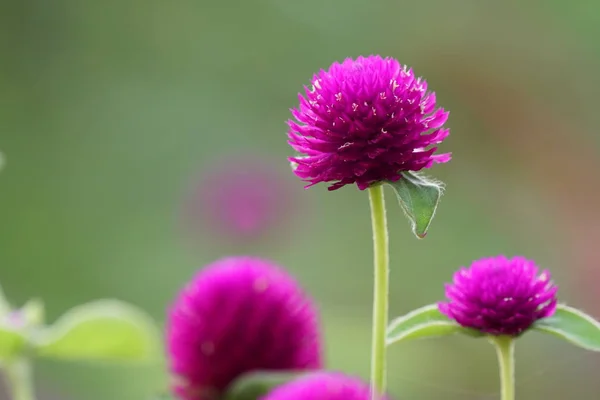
<point x="364" y="121"/>
<point x="238" y="315"/>
<point x="500" y="296"/>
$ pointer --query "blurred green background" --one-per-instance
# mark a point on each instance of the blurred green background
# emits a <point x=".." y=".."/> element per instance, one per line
<point x="110" y="109"/>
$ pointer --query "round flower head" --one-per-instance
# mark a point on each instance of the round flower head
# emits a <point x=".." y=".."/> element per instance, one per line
<point x="365" y="121"/>
<point x="322" y="386"/>
<point x="238" y="315"/>
<point x="500" y="296"/>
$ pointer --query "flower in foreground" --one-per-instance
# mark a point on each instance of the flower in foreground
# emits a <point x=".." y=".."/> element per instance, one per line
<point x="238" y="315"/>
<point x="500" y="296"/>
<point x="322" y="386"/>
<point x="364" y="121"/>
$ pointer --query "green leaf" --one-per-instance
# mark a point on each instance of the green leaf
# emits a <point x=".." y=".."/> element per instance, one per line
<point x="419" y="198"/>
<point x="422" y="323"/>
<point x="256" y="384"/>
<point x="12" y="342"/>
<point x="103" y="330"/>
<point x="573" y="326"/>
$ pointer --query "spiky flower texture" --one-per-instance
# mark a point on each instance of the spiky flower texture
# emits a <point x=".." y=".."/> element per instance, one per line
<point x="238" y="315"/>
<point x="364" y="121"/>
<point x="322" y="386"/>
<point x="500" y="295"/>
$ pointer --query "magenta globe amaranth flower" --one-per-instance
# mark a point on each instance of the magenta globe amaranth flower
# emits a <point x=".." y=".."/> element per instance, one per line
<point x="364" y="121"/>
<point x="322" y="386"/>
<point x="238" y="315"/>
<point x="500" y="296"/>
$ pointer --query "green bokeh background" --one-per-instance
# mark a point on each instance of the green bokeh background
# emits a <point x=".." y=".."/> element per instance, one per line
<point x="108" y="110"/>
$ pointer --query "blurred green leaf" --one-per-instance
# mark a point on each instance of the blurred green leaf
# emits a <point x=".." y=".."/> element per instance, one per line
<point x="256" y="384"/>
<point x="12" y="342"/>
<point x="424" y="322"/>
<point x="33" y="313"/>
<point x="419" y="198"/>
<point x="104" y="330"/>
<point x="573" y="326"/>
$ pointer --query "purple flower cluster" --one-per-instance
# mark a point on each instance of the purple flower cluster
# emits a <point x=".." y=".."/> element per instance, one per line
<point x="500" y="296"/>
<point x="239" y="314"/>
<point x="364" y="121"/>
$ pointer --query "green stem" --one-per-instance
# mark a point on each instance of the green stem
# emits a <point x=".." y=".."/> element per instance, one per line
<point x="505" y="349"/>
<point x="380" y="294"/>
<point x="20" y="382"/>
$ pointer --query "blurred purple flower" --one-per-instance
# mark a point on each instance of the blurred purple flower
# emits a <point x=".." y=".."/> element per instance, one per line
<point x="365" y="121"/>
<point x="322" y="386"/>
<point x="238" y="315"/>
<point x="500" y="296"/>
<point x="241" y="199"/>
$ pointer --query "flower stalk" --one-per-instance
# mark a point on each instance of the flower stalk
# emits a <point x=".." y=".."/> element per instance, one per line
<point x="380" y="291"/>
<point x="505" y="349"/>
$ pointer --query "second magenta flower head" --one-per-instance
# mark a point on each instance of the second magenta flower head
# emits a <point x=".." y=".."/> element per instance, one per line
<point x="500" y="295"/>
<point x="364" y="121"/>
<point x="238" y="315"/>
